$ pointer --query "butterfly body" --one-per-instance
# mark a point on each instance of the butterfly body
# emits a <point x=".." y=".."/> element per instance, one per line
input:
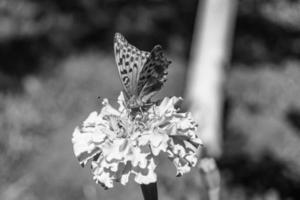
<point x="142" y="73"/>
<point x="134" y="102"/>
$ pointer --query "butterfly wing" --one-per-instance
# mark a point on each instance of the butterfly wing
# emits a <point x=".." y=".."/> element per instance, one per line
<point x="153" y="74"/>
<point x="130" y="61"/>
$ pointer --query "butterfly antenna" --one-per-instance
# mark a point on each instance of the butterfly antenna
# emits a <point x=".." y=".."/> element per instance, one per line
<point x="102" y="98"/>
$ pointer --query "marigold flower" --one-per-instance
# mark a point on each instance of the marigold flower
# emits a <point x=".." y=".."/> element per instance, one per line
<point x="119" y="145"/>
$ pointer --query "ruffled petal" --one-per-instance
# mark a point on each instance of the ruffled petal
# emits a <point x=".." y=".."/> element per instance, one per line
<point x="120" y="145"/>
<point x="121" y="102"/>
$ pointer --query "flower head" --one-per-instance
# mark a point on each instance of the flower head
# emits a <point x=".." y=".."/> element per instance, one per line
<point x="119" y="145"/>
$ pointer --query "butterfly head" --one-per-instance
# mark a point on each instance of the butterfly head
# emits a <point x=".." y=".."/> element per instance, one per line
<point x="136" y="106"/>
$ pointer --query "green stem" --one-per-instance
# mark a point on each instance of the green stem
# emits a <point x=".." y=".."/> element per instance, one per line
<point x="149" y="191"/>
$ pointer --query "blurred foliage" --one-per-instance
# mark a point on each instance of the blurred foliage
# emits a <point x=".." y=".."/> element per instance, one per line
<point x="267" y="31"/>
<point x="35" y="33"/>
<point x="262" y="140"/>
<point x="56" y="57"/>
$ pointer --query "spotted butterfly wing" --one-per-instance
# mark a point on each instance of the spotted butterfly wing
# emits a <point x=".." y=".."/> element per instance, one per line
<point x="142" y="73"/>
<point x="130" y="61"/>
<point x="153" y="74"/>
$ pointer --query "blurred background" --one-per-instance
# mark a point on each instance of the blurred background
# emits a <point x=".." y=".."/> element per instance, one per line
<point x="56" y="58"/>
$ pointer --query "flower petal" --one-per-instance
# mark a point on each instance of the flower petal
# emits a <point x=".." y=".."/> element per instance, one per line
<point x="119" y="144"/>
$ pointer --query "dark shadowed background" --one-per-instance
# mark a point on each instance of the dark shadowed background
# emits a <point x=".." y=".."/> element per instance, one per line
<point x="56" y="58"/>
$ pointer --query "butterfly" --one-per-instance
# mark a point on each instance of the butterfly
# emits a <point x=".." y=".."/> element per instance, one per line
<point x="142" y="73"/>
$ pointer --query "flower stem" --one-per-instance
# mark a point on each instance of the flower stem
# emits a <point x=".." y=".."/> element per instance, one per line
<point x="149" y="191"/>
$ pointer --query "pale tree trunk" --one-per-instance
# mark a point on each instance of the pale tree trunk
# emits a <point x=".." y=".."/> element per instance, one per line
<point x="211" y="50"/>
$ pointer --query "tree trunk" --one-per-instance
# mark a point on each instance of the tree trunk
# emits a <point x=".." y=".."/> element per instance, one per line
<point x="210" y="52"/>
